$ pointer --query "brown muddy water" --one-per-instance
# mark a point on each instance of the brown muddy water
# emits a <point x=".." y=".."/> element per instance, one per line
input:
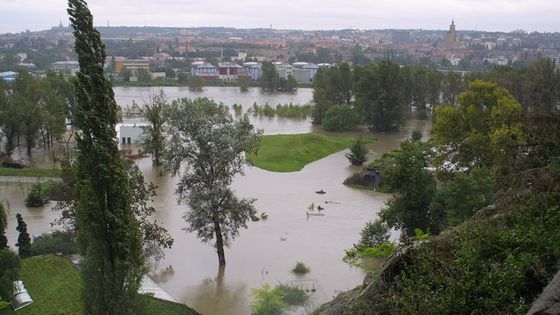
<point x="267" y="250"/>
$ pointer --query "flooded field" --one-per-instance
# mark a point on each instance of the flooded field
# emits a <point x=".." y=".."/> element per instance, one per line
<point x="267" y="250"/>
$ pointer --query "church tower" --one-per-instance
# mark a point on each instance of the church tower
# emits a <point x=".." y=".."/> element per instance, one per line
<point x="452" y="37"/>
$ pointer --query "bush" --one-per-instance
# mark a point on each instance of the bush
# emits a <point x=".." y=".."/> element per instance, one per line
<point x="57" y="242"/>
<point x="300" y="268"/>
<point x="358" y="152"/>
<point x="374" y="234"/>
<point x="416" y="135"/>
<point x="340" y="118"/>
<point x="9" y="267"/>
<point x="41" y="193"/>
<point x="268" y="301"/>
<point x="292" y="294"/>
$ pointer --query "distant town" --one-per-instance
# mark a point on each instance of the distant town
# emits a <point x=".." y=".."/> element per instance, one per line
<point x="149" y="54"/>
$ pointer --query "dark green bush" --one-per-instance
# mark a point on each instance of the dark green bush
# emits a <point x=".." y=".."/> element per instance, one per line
<point x="41" y="193"/>
<point x="340" y="118"/>
<point x="57" y="242"/>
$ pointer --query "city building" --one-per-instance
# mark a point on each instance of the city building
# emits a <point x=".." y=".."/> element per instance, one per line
<point x="131" y="64"/>
<point x="304" y="72"/>
<point x="8" y="76"/>
<point x="204" y="70"/>
<point x="228" y="71"/>
<point x="452" y="37"/>
<point x="283" y="70"/>
<point x="66" y="68"/>
<point x="254" y="70"/>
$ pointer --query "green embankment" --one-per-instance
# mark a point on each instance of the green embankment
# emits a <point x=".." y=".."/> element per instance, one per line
<point x="30" y="172"/>
<point x="54" y="285"/>
<point x="290" y="153"/>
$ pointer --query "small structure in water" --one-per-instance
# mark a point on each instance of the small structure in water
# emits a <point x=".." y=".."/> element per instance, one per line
<point x="21" y="298"/>
<point x="372" y="177"/>
<point x="320" y="192"/>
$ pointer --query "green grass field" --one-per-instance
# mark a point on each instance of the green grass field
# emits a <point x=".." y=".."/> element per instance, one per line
<point x="54" y="285"/>
<point x="290" y="153"/>
<point x="30" y="172"/>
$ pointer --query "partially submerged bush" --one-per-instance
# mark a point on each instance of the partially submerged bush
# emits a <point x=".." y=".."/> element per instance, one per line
<point x="40" y="193"/>
<point x="300" y="268"/>
<point x="277" y="300"/>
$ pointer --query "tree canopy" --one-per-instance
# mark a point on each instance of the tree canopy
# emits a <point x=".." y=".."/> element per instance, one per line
<point x="207" y="147"/>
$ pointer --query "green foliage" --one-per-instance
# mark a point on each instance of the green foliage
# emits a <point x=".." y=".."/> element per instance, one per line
<point x="408" y="209"/>
<point x="340" y="118"/>
<point x="300" y="268"/>
<point x="55" y="286"/>
<point x="40" y="194"/>
<point x="416" y="135"/>
<point x="24" y="240"/>
<point x="290" y="153"/>
<point x="30" y="172"/>
<point x="331" y="86"/>
<point x="291" y="84"/>
<point x="281" y="110"/>
<point x="292" y="295"/>
<point x="152" y="137"/>
<point x="108" y="233"/>
<point x="379" y="96"/>
<point x="452" y="86"/>
<point x="461" y="197"/>
<point x="374" y="234"/>
<point x="3" y="225"/>
<point x="210" y="139"/>
<point x="9" y="268"/>
<point x="195" y="83"/>
<point x="269" y="80"/>
<point x="57" y="242"/>
<point x="485" y="130"/>
<point x="368" y="258"/>
<point x="268" y="301"/>
<point x="358" y="152"/>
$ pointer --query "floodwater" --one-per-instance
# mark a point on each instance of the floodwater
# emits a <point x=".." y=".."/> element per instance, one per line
<point x="229" y="96"/>
<point x="267" y="250"/>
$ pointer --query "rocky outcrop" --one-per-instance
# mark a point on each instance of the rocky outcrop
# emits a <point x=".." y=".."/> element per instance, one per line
<point x="548" y="302"/>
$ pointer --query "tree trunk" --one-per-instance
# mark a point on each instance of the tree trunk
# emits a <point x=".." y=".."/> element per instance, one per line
<point x="219" y="243"/>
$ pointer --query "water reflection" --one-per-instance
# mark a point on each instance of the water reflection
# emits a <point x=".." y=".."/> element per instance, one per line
<point x="219" y="296"/>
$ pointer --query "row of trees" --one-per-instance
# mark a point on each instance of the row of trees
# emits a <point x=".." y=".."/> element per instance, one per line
<point x="35" y="110"/>
<point x="381" y="94"/>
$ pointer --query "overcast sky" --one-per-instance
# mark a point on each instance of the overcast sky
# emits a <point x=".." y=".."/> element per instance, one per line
<point x="490" y="15"/>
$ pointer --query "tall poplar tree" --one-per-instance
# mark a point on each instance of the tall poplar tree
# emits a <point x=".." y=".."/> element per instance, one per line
<point x="108" y="233"/>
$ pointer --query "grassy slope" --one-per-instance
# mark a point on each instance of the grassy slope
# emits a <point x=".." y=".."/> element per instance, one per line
<point x="290" y="153"/>
<point x="30" y="172"/>
<point x="54" y="286"/>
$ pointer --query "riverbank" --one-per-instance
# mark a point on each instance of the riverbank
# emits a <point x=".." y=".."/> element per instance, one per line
<point x="30" y="172"/>
<point x="55" y="286"/>
<point x="291" y="153"/>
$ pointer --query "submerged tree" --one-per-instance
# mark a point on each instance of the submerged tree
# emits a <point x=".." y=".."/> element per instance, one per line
<point x="152" y="138"/>
<point x="207" y="148"/>
<point x="108" y="233"/>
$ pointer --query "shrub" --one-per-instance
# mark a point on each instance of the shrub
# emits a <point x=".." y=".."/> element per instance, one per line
<point x="358" y="152"/>
<point x="57" y="242"/>
<point x="340" y="118"/>
<point x="292" y="294"/>
<point x="300" y="268"/>
<point x="268" y="301"/>
<point x="416" y="135"/>
<point x="41" y="193"/>
<point x="374" y="234"/>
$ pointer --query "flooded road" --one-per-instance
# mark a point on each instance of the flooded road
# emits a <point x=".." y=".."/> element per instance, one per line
<point x="267" y="250"/>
